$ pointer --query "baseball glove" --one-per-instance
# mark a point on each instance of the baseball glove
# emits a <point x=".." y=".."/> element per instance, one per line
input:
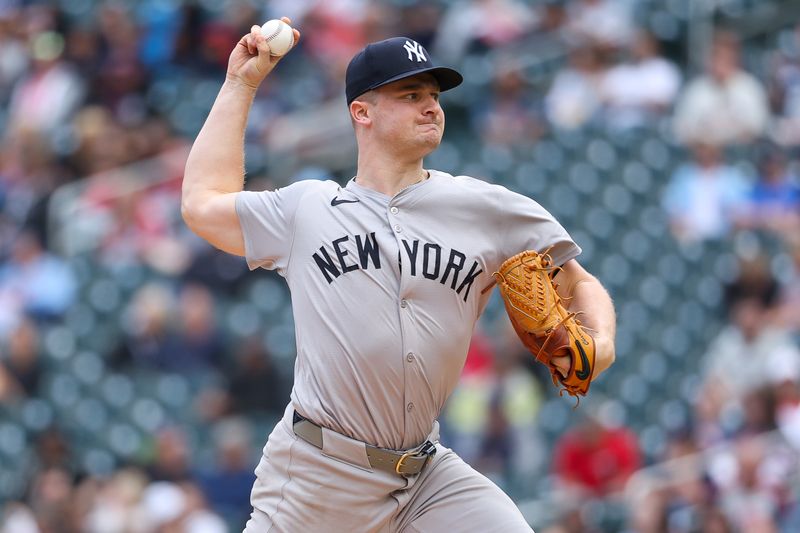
<point x="543" y="323"/>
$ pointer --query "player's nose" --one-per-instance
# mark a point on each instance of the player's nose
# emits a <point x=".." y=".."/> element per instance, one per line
<point x="431" y="106"/>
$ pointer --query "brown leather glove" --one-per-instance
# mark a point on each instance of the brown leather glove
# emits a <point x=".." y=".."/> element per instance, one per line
<point x="542" y="322"/>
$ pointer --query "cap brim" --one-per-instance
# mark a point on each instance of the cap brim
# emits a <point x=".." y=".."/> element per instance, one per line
<point x="446" y="77"/>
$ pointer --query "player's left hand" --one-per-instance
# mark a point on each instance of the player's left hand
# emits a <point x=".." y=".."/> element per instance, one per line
<point x="562" y="364"/>
<point x="552" y="333"/>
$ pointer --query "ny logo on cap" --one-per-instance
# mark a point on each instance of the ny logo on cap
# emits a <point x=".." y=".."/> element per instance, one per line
<point x="413" y="47"/>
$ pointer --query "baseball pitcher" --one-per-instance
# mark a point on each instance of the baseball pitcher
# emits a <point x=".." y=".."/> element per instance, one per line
<point x="387" y="277"/>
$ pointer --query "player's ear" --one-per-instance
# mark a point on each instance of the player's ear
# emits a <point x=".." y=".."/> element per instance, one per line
<point x="360" y="112"/>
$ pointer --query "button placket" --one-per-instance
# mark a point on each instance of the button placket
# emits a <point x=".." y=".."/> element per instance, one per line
<point x="410" y="369"/>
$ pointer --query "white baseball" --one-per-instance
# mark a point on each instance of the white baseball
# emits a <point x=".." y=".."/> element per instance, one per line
<point x="280" y="36"/>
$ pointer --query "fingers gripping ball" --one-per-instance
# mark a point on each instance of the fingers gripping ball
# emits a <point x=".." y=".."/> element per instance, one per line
<point x="279" y="35"/>
<point x="542" y="322"/>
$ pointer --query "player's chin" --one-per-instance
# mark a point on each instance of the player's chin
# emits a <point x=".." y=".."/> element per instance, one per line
<point x="427" y="146"/>
<point x="431" y="137"/>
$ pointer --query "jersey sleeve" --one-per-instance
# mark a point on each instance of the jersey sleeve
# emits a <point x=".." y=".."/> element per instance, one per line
<point x="267" y="220"/>
<point x="529" y="226"/>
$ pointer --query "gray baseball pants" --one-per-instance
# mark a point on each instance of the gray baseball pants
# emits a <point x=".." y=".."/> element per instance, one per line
<point x="303" y="489"/>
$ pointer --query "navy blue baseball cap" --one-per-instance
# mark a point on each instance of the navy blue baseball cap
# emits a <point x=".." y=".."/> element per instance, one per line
<point x="391" y="60"/>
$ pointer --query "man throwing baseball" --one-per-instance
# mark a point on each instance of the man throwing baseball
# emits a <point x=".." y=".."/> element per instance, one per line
<point x="386" y="276"/>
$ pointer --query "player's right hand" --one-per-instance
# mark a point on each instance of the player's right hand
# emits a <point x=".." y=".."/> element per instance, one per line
<point x="250" y="61"/>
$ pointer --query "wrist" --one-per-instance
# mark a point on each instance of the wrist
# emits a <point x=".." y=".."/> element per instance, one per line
<point x="237" y="84"/>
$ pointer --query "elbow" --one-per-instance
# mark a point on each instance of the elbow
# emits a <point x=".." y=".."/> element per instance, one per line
<point x="189" y="212"/>
<point x="186" y="211"/>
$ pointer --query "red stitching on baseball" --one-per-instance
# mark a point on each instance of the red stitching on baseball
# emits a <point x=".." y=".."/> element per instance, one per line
<point x="277" y="31"/>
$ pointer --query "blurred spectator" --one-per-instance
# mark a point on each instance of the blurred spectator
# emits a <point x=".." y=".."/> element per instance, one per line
<point x="120" y="79"/>
<point x="787" y="409"/>
<point x="572" y="520"/>
<point x="713" y="520"/>
<point x="676" y="495"/>
<point x="496" y="447"/>
<point x="754" y="280"/>
<point x="17" y="518"/>
<point x="53" y="450"/>
<point x="9" y="390"/>
<point x="83" y="50"/>
<point x="32" y="107"/>
<point x="641" y="88"/>
<point x="167" y="507"/>
<point x="162" y="506"/>
<point x="52" y="503"/>
<point x="256" y="386"/>
<point x="481" y="352"/>
<point x="509" y="116"/>
<point x="99" y="143"/>
<point x="726" y="105"/>
<point x="755" y="487"/>
<point x="170" y="461"/>
<point x="773" y="202"/>
<point x="14" y="56"/>
<point x="690" y="507"/>
<point x="596" y="457"/>
<point x="35" y="282"/>
<point x="196" y="343"/>
<point x="481" y="25"/>
<point x="115" y="505"/>
<point x="747" y="354"/>
<point x="573" y="100"/>
<point x="197" y="517"/>
<point x="508" y="446"/>
<point x="21" y="361"/>
<point x="29" y="171"/>
<point x="420" y="21"/>
<point x="758" y="412"/>
<point x="145" y="326"/>
<point x="703" y="195"/>
<point x="227" y="482"/>
<point x="708" y="421"/>
<point x="648" y="512"/>
<point x="789" y="295"/>
<point x="491" y="416"/>
<point x="605" y="23"/>
<point x="784" y="88"/>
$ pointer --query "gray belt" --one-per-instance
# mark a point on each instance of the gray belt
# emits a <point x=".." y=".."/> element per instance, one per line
<point x="403" y="463"/>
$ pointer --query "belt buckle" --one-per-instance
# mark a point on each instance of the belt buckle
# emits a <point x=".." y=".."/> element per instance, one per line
<point x="399" y="464"/>
<point x="428" y="449"/>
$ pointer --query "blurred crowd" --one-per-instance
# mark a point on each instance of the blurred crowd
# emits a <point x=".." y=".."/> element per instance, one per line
<point x="98" y="104"/>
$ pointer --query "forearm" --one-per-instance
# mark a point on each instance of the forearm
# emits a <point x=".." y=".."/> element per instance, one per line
<point x="216" y="161"/>
<point x="589" y="298"/>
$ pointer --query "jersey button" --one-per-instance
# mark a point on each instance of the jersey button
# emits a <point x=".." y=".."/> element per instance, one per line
<point x="410" y="357"/>
<point x="394" y="210"/>
<point x="403" y="304"/>
<point x="410" y="407"/>
<point x="397" y="228"/>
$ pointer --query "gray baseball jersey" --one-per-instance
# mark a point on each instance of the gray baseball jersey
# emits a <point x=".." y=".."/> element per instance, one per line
<point x="386" y="290"/>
